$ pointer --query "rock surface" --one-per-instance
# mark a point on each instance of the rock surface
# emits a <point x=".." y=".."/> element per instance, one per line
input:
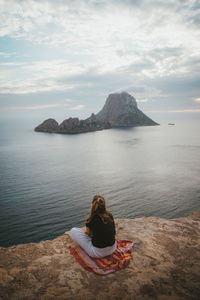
<point x="165" y="265"/>
<point x="73" y="125"/>
<point x="49" y="125"/>
<point x="120" y="110"/>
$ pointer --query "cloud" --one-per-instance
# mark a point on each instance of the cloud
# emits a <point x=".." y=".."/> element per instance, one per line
<point x="148" y="48"/>
<point x="6" y="54"/>
<point x="11" y="64"/>
<point x="142" y="100"/>
<point x="44" y="106"/>
<point x="89" y="27"/>
<point x="77" y="107"/>
<point x="34" y="86"/>
<point x="41" y="76"/>
<point x="197" y="100"/>
<point x="35" y="107"/>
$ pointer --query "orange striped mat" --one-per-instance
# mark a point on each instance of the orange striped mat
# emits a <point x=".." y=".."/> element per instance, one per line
<point x="111" y="263"/>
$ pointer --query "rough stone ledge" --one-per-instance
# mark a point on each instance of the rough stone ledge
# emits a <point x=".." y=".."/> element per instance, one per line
<point x="165" y="265"/>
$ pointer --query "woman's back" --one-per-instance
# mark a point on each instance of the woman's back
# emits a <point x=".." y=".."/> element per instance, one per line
<point x="103" y="234"/>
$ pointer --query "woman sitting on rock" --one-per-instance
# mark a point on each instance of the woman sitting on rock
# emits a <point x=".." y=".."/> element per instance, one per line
<point x="99" y="238"/>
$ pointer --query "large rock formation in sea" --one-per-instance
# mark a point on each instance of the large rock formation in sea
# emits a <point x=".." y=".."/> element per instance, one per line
<point x="120" y="110"/>
<point x="165" y="266"/>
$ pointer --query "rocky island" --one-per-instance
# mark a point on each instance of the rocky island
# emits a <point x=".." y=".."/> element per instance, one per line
<point x="120" y="110"/>
<point x="165" y="266"/>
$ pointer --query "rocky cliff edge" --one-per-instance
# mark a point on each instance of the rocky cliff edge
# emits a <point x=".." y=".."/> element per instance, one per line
<point x="165" y="265"/>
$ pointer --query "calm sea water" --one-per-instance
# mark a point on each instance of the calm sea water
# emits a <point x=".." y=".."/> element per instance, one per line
<point x="47" y="181"/>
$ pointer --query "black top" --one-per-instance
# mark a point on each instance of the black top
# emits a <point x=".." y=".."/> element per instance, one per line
<point x="103" y="235"/>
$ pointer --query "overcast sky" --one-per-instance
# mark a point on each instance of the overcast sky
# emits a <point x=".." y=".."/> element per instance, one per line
<point x="61" y="58"/>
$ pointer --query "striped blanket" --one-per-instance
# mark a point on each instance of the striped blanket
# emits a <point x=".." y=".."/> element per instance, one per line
<point x="111" y="263"/>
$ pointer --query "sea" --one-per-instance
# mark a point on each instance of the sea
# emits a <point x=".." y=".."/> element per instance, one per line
<point x="47" y="181"/>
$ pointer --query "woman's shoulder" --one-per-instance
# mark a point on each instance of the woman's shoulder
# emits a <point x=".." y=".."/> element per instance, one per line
<point x="110" y="215"/>
<point x="94" y="218"/>
<point x="97" y="219"/>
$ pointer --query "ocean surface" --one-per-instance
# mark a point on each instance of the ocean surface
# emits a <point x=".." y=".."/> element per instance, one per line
<point x="47" y="181"/>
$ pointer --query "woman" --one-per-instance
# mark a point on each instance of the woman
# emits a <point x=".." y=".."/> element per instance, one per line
<point x="99" y="238"/>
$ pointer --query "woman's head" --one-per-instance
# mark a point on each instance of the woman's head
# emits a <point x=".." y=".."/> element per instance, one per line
<point x="98" y="204"/>
<point x="99" y="208"/>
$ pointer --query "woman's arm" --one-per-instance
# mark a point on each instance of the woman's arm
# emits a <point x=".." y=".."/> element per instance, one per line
<point x="88" y="231"/>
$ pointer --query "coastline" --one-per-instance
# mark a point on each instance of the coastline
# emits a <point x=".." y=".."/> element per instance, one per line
<point x="165" y="265"/>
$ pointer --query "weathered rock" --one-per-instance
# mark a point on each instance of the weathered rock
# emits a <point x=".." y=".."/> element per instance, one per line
<point x="165" y="265"/>
<point x="74" y="125"/>
<point x="121" y="110"/>
<point x="69" y="125"/>
<point x="49" y="125"/>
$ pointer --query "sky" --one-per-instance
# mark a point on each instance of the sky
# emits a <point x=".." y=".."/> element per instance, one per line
<point x="63" y="58"/>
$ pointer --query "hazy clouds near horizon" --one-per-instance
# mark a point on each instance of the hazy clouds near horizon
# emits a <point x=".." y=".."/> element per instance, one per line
<point x="62" y="58"/>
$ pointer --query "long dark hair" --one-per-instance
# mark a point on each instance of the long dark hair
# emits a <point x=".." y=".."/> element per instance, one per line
<point x="99" y="208"/>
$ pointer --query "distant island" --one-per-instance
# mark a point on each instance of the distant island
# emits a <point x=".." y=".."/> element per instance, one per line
<point x="120" y="110"/>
